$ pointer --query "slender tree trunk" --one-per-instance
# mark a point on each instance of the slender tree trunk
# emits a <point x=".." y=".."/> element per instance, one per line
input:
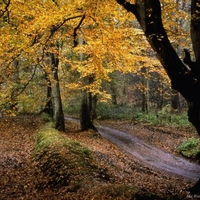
<point x="92" y="101"/>
<point x="113" y="92"/>
<point x="94" y="107"/>
<point x="175" y="100"/>
<point x="13" y="102"/>
<point x="145" y="92"/>
<point x="48" y="107"/>
<point x="56" y="101"/>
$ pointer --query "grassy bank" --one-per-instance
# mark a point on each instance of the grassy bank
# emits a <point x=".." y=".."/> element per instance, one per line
<point x="59" y="158"/>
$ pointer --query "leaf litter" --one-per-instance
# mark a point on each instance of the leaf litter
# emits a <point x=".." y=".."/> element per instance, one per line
<point x="117" y="177"/>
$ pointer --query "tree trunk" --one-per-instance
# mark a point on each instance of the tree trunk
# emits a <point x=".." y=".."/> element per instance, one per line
<point x="175" y="100"/>
<point x="113" y="92"/>
<point x="16" y="79"/>
<point x="48" y="107"/>
<point x="56" y="101"/>
<point x="187" y="82"/>
<point x="94" y="107"/>
<point x="145" y="92"/>
<point x="88" y="108"/>
<point x="85" y="117"/>
<point x="195" y="28"/>
<point x="92" y="101"/>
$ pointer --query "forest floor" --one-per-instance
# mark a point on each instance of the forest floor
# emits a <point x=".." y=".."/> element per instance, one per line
<point x="119" y="177"/>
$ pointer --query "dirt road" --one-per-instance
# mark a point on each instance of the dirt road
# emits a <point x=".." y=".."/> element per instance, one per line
<point x="151" y="156"/>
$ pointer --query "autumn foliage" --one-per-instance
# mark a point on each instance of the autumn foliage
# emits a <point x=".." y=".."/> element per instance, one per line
<point x="93" y="39"/>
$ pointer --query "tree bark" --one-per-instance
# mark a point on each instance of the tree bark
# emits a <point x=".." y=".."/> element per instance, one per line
<point x="16" y="79"/>
<point x="148" y="14"/>
<point x="85" y="118"/>
<point x="92" y="101"/>
<point x="88" y="108"/>
<point x="56" y="100"/>
<point x="175" y="101"/>
<point x="145" y="92"/>
<point x="48" y="107"/>
<point x="195" y="28"/>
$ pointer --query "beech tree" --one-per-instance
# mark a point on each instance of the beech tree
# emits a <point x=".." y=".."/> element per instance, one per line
<point x="184" y="74"/>
<point x="109" y="38"/>
<point x="33" y="37"/>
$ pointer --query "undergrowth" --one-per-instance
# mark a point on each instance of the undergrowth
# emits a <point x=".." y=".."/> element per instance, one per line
<point x="190" y="148"/>
<point x="163" y="117"/>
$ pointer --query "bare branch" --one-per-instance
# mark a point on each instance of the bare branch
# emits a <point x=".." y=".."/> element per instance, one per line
<point x="76" y="28"/>
<point x="2" y="12"/>
<point x="58" y="26"/>
<point x="54" y="29"/>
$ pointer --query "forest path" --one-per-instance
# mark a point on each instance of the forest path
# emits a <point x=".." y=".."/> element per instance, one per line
<point x="149" y="155"/>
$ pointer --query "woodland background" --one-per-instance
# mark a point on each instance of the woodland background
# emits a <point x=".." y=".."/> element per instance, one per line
<point x="92" y="52"/>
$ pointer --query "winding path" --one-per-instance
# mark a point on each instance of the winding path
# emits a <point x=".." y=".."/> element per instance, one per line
<point x="149" y="155"/>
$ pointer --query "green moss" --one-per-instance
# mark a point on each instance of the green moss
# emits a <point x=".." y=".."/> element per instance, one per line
<point x="58" y="157"/>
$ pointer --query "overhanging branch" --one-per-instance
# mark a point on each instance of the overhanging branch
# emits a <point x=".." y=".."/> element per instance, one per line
<point x="76" y="28"/>
<point x="55" y="28"/>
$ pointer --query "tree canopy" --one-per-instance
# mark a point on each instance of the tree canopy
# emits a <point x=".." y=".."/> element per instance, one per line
<point x="47" y="42"/>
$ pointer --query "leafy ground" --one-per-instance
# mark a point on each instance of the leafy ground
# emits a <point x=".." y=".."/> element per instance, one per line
<point x="111" y="175"/>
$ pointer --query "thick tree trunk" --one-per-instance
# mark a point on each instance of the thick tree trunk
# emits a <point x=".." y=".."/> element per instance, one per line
<point x="195" y="28"/>
<point x="88" y="109"/>
<point x="148" y="14"/>
<point x="194" y="104"/>
<point x="184" y="80"/>
<point x="85" y="118"/>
